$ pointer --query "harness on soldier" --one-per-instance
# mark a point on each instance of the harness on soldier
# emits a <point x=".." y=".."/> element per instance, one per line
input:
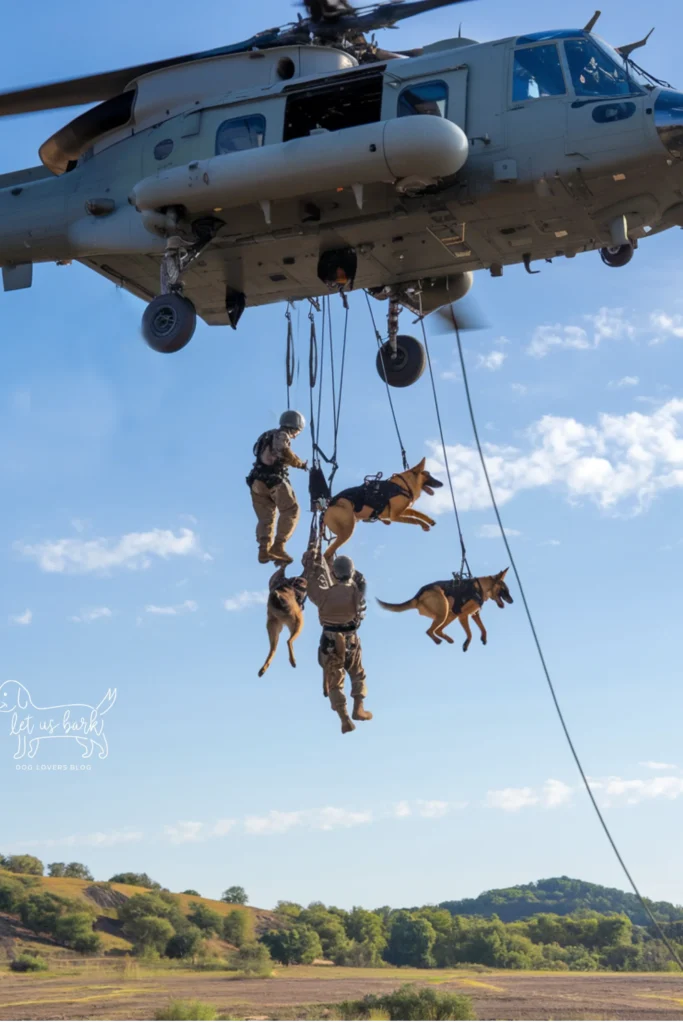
<point x="273" y="475"/>
<point x="374" y="493"/>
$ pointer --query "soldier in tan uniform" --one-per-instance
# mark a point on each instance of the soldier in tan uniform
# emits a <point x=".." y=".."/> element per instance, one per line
<point x="271" y="491"/>
<point x="339" y="596"/>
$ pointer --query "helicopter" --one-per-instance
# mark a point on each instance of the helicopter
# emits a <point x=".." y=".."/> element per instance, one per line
<point x="308" y="160"/>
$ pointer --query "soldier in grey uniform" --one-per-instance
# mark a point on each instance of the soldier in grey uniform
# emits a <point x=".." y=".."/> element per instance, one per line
<point x="271" y="491"/>
<point x="339" y="596"/>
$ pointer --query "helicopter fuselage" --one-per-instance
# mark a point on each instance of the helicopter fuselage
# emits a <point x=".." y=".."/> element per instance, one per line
<point x="561" y="148"/>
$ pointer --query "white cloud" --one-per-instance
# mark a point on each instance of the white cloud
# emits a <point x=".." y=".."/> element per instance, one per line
<point x="223" y="826"/>
<point x="329" y="818"/>
<point x="615" y="790"/>
<point x="94" y="839"/>
<point x="552" y="795"/>
<point x="624" y="382"/>
<point x="551" y="544"/>
<point x="402" y="809"/>
<point x="175" y="609"/>
<point x="668" y="326"/>
<point x="22" y="620"/>
<point x="92" y="615"/>
<point x="246" y="599"/>
<point x="606" y="324"/>
<point x="629" y="458"/>
<point x="493" y="361"/>
<point x="491" y="531"/>
<point x="450" y="375"/>
<point x="276" y="822"/>
<point x="184" y="832"/>
<point x="324" y="819"/>
<point x="658" y="766"/>
<point x="432" y="808"/>
<point x="132" y="551"/>
<point x="520" y="389"/>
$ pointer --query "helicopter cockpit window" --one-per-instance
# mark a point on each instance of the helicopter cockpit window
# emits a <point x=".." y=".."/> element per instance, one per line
<point x="426" y="98"/>
<point x="538" y="73"/>
<point x="594" y="73"/>
<point x="241" y="133"/>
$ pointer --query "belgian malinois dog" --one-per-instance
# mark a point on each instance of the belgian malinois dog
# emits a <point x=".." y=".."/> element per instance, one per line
<point x="390" y="501"/>
<point x="456" y="599"/>
<point x="285" y="608"/>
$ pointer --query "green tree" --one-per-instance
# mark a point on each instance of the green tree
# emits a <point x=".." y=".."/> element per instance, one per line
<point x="206" y="919"/>
<point x="238" y="928"/>
<point x="40" y="912"/>
<point x="330" y="930"/>
<point x="364" y="926"/>
<point x="153" y="904"/>
<point x="185" y="944"/>
<point x="76" y="870"/>
<point x="296" y="945"/>
<point x="235" y="894"/>
<point x="24" y="864"/>
<point x="285" y="908"/>
<point x="149" y="933"/>
<point x="360" y="954"/>
<point x="75" y="931"/>
<point x="131" y="878"/>
<point x="411" y="941"/>
<point x="57" y="870"/>
<point x="252" y="959"/>
<point x="11" y="894"/>
<point x="190" y="892"/>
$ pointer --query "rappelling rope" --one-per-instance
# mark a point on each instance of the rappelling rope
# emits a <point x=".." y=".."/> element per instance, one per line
<point x="290" y="360"/>
<point x="546" y="671"/>
<point x="464" y="565"/>
<point x="378" y="338"/>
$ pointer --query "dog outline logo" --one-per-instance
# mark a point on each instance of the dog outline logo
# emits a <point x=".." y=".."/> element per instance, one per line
<point x="32" y="725"/>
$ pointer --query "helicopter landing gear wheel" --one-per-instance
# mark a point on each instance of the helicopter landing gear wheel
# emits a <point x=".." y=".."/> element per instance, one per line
<point x="403" y="367"/>
<point x="168" y="323"/>
<point x="617" y="255"/>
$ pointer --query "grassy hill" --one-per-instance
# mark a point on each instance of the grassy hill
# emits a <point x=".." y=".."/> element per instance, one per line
<point x="559" y="896"/>
<point x="104" y="898"/>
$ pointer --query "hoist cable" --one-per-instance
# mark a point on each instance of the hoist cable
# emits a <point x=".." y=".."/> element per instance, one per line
<point x="290" y="363"/>
<point x="378" y="338"/>
<point x="577" y="760"/>
<point x="313" y="377"/>
<point x="464" y="565"/>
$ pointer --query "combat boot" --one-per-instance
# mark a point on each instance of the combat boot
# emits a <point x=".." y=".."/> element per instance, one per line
<point x="264" y="553"/>
<point x="347" y="724"/>
<point x="279" y="555"/>
<point x="359" y="712"/>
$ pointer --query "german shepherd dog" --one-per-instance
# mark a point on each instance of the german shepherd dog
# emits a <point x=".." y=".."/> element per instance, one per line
<point x="456" y="599"/>
<point x="390" y="501"/>
<point x="285" y="608"/>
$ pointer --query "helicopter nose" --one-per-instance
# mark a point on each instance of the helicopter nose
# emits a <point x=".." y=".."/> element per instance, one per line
<point x="669" y="120"/>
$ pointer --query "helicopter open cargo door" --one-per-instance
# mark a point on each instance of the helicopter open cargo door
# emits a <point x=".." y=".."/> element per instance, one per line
<point x="441" y="93"/>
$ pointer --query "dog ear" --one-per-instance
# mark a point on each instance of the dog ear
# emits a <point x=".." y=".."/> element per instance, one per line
<point x="22" y="697"/>
<point x="420" y="466"/>
<point x="503" y="574"/>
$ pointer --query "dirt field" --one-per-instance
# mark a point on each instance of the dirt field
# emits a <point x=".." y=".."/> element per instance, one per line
<point x="300" y="993"/>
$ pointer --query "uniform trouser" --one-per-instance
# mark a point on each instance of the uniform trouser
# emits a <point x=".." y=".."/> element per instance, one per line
<point x="340" y="653"/>
<point x="267" y="502"/>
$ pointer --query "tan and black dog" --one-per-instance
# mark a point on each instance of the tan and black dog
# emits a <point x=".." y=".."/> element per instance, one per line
<point x="390" y="501"/>
<point x="456" y="599"/>
<point x="285" y="608"/>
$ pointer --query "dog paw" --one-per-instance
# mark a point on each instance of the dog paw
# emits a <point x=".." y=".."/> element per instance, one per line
<point x="484" y="640"/>
<point x="465" y="647"/>
<point x="293" y="664"/>
<point x="425" y="527"/>
<point x="449" y="639"/>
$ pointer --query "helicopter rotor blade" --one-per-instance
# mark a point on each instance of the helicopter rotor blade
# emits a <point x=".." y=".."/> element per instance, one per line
<point x="465" y="315"/>
<point x="383" y="15"/>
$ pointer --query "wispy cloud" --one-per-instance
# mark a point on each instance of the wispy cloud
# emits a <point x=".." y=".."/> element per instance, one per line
<point x="246" y="599"/>
<point x="551" y="544"/>
<point x="91" y="839"/>
<point x="132" y="551"/>
<point x="658" y="766"/>
<point x="627" y="459"/>
<point x="623" y="382"/>
<point x="552" y="795"/>
<point x="184" y="832"/>
<point x="173" y="609"/>
<point x="520" y="389"/>
<point x="606" y="324"/>
<point x="491" y="531"/>
<point x="666" y="325"/>
<point x="22" y="620"/>
<point x="492" y="361"/>
<point x="615" y="790"/>
<point x="92" y="615"/>
<point x="323" y="819"/>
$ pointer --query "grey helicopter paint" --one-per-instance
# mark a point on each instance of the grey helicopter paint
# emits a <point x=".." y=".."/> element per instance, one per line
<point x="291" y="167"/>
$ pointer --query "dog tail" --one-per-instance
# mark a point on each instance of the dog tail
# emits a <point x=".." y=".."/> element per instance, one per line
<point x="107" y="702"/>
<point x="405" y="607"/>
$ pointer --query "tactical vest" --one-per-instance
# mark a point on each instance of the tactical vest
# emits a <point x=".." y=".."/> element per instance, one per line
<point x="273" y="475"/>
<point x="374" y="494"/>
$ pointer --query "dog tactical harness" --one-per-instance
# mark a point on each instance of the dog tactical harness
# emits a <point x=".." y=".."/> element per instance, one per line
<point x="298" y="584"/>
<point x="461" y="591"/>
<point x="273" y="475"/>
<point x="374" y="494"/>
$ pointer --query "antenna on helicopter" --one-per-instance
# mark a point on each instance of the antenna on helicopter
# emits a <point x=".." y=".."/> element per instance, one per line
<point x="593" y="22"/>
<point x="626" y="51"/>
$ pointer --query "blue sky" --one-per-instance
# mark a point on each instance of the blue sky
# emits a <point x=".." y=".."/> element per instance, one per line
<point x="123" y="482"/>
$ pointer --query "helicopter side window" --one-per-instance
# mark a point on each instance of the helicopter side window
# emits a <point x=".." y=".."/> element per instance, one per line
<point x="241" y="133"/>
<point x="538" y="73"/>
<point x="426" y="98"/>
<point x="594" y="73"/>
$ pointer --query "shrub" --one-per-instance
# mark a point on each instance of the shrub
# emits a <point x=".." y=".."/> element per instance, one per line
<point x="297" y="945"/>
<point x="181" y="1009"/>
<point x="238" y="928"/>
<point x="11" y="894"/>
<point x="75" y="930"/>
<point x="185" y="944"/>
<point x="206" y="919"/>
<point x="24" y="864"/>
<point x="254" y="959"/>
<point x="235" y="894"/>
<point x="149" y="933"/>
<point x="26" y="963"/>
<point x="40" y="912"/>
<point x="190" y="892"/>
<point x="409" y="1003"/>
